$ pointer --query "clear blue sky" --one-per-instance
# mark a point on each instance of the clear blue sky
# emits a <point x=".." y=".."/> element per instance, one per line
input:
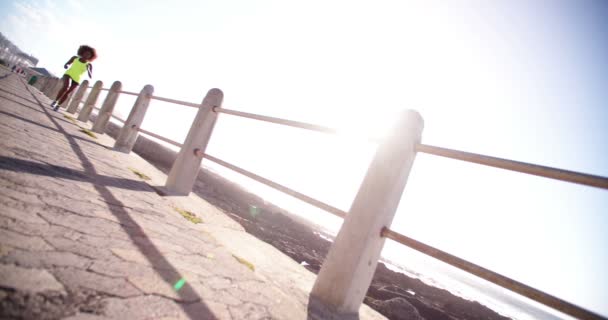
<point x="517" y="79"/>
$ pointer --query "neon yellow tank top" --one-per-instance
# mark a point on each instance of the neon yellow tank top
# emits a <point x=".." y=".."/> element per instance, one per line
<point x="77" y="69"/>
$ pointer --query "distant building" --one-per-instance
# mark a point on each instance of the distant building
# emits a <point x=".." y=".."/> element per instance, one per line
<point x="12" y="55"/>
<point x="26" y="60"/>
<point x="42" y="71"/>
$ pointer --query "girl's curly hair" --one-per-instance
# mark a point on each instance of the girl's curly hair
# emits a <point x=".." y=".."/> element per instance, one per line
<point x="84" y="48"/>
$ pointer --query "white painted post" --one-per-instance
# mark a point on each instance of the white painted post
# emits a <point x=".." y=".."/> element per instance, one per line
<point x="77" y="98"/>
<point x="129" y="132"/>
<point x="185" y="169"/>
<point x="351" y="262"/>
<point x="107" y="108"/>
<point x="85" y="113"/>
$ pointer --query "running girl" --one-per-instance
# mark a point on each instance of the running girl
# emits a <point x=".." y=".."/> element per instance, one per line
<point x="71" y="78"/>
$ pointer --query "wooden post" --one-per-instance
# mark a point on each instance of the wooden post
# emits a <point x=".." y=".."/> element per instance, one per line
<point x="85" y="113"/>
<point x="185" y="168"/>
<point x="129" y="132"/>
<point x="75" y="102"/>
<point x="347" y="272"/>
<point x="107" y="108"/>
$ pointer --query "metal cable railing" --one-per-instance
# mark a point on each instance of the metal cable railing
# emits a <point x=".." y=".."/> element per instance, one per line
<point x="180" y="102"/>
<point x="522" y="167"/>
<point x="491" y="276"/>
<point x="128" y="92"/>
<point x="290" y="123"/>
<point x="117" y="118"/>
<point x="167" y="140"/>
<point x="537" y="170"/>
<point x="284" y="189"/>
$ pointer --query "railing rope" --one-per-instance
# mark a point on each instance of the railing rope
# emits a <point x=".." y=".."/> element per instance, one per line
<point x="290" y="123"/>
<point x="75" y="102"/>
<point x="493" y="277"/>
<point x="128" y="134"/>
<point x="183" y="103"/>
<point x="117" y="118"/>
<point x="349" y="266"/>
<point x="103" y="117"/>
<point x="129" y="93"/>
<point x="533" y="169"/>
<point x="161" y="138"/>
<point x="184" y="171"/>
<point x="121" y="91"/>
<point x="85" y="113"/>
<point x="321" y="205"/>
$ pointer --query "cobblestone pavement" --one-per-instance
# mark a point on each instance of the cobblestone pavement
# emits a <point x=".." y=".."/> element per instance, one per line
<point x="83" y="237"/>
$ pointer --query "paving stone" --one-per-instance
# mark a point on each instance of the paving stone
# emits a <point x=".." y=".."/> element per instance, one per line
<point x="218" y="283"/>
<point x="24" y="216"/>
<point x="79" y="248"/>
<point x="143" y="308"/>
<point x="49" y="304"/>
<point x="77" y="279"/>
<point x="5" y="250"/>
<point x="86" y="316"/>
<point x="31" y="280"/>
<point x="157" y="285"/>
<point x="249" y="311"/>
<point x="133" y="255"/>
<point x="208" y="308"/>
<point x="45" y="259"/>
<point x="93" y="226"/>
<point x="117" y="268"/>
<point x="221" y="296"/>
<point x="20" y="241"/>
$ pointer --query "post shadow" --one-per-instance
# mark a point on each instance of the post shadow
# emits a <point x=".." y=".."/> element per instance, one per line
<point x="49" y="128"/>
<point x="54" y="171"/>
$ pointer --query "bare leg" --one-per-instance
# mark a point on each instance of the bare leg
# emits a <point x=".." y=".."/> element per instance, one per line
<point x="67" y="93"/>
<point x="66" y="83"/>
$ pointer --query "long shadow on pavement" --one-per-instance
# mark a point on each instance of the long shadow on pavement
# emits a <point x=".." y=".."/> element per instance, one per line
<point x="50" y="170"/>
<point x="25" y="105"/>
<point x="49" y="128"/>
<point x="138" y="236"/>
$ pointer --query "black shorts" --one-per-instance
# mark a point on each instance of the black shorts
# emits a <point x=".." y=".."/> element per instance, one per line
<point x="67" y="75"/>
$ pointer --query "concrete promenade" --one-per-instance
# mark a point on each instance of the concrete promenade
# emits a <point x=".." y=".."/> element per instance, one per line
<point x="84" y="235"/>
